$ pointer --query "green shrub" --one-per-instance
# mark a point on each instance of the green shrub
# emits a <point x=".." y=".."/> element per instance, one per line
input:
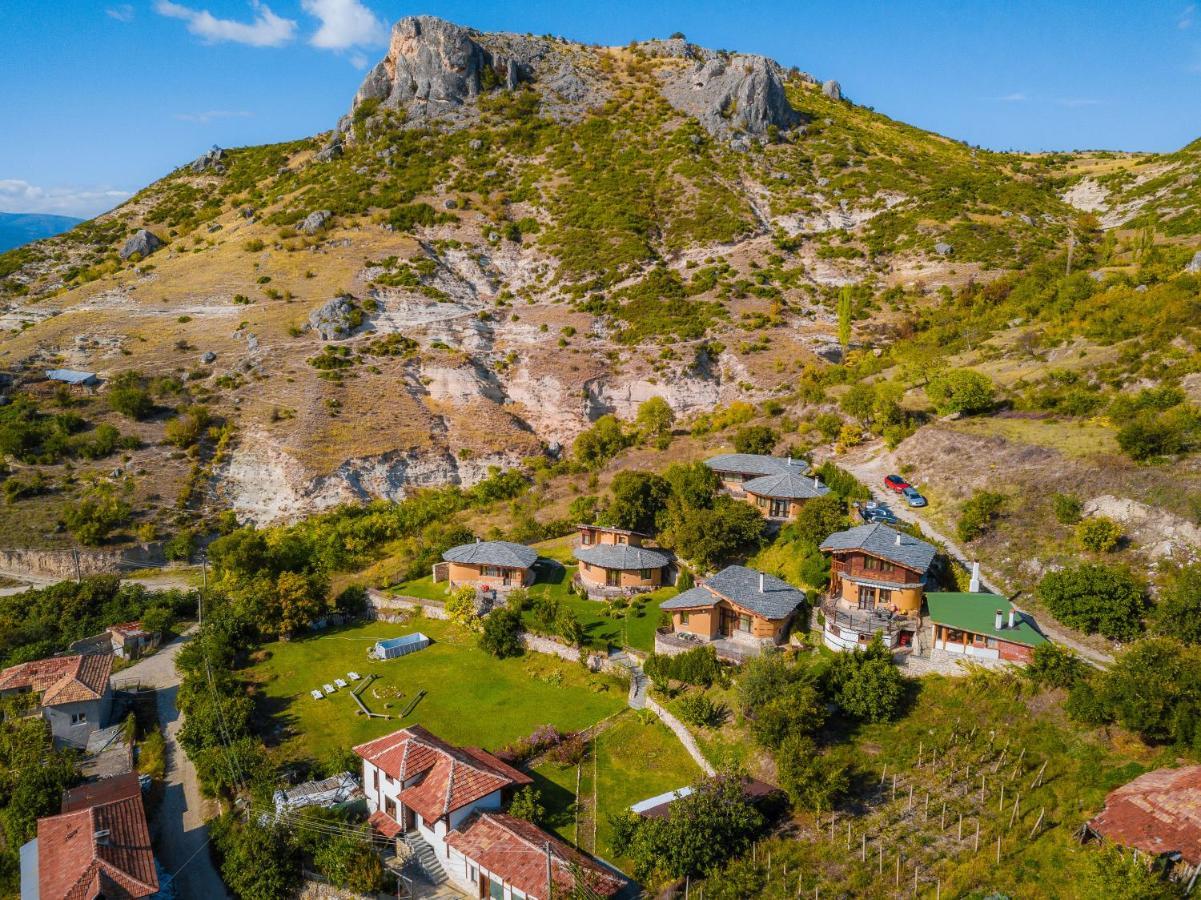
<point x="699" y="710"/>
<point x="501" y="634"/>
<point x="1108" y="600"/>
<point x="1067" y="508"/>
<point x="961" y="391"/>
<point x="94" y="517"/>
<point x="756" y="439"/>
<point x="978" y="514"/>
<point x="1098" y="534"/>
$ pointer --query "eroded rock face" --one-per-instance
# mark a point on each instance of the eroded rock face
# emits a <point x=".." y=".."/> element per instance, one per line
<point x="730" y="94"/>
<point x="336" y="319"/>
<point x="1194" y="265"/>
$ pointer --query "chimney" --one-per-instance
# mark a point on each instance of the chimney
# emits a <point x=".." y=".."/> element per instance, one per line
<point x="790" y="460"/>
<point x="974" y="586"/>
<point x="1000" y="623"/>
<point x="477" y="540"/>
<point x="898" y="538"/>
<point x="817" y="482"/>
<point x="1011" y="615"/>
<point x="760" y="582"/>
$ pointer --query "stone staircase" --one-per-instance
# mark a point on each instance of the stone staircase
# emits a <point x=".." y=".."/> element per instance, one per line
<point x="422" y="862"/>
<point x="638" y="680"/>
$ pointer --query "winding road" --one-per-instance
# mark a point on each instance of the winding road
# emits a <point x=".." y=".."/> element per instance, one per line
<point x="179" y="825"/>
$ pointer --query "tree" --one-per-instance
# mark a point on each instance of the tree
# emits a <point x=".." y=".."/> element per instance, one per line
<point x="501" y="636"/>
<point x="821" y="517"/>
<point x="812" y="781"/>
<point x="860" y="403"/>
<point x="1067" y="508"/>
<point x="460" y="607"/>
<point x="1099" y="534"/>
<point x="866" y="684"/>
<point x="1053" y="665"/>
<point x="655" y="417"/>
<point x="712" y="824"/>
<point x="1117" y="874"/>
<point x="600" y="443"/>
<point x="1154" y="689"/>
<point x="348" y="859"/>
<point x="710" y="536"/>
<point x="961" y="391"/>
<point x="299" y="600"/>
<point x="756" y="439"/>
<point x="978" y="514"/>
<point x="568" y="627"/>
<point x="637" y="501"/>
<point x="1108" y="600"/>
<point x="157" y="619"/>
<point x="527" y="804"/>
<point x="257" y="861"/>
<point x="779" y="700"/>
<point x="95" y="516"/>
<point x="845" y="311"/>
<point x="1178" y="612"/>
<point x="692" y="484"/>
<point x="185" y="430"/>
<point x="181" y="547"/>
<point x="127" y="396"/>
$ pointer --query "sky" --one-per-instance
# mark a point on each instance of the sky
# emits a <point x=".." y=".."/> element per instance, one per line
<point x="99" y="98"/>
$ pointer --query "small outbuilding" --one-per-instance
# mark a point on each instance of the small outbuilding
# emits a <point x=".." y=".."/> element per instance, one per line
<point x="328" y="793"/>
<point x="985" y="626"/>
<point x="73" y="377"/>
<point x="491" y="564"/>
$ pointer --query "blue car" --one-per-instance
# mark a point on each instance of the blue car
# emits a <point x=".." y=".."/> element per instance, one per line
<point x="913" y="497"/>
<point x="877" y="512"/>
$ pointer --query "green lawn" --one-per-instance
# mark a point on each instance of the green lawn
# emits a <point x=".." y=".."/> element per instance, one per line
<point x="472" y="697"/>
<point x="637" y="758"/>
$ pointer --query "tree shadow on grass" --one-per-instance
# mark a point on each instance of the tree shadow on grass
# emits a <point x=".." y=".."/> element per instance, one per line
<point x="558" y="802"/>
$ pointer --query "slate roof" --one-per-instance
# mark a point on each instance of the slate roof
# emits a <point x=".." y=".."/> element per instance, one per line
<point x="977" y="613"/>
<point x="1157" y="813"/>
<point x="756" y="464"/>
<point x="493" y="553"/>
<point x="454" y="776"/>
<point x="61" y="679"/>
<point x="621" y="556"/>
<point x="516" y="850"/>
<point x="882" y="541"/>
<point x="740" y="586"/>
<point x="99" y="850"/>
<point x="788" y="486"/>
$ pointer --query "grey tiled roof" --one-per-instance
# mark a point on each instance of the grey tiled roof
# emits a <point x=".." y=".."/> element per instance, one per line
<point x="882" y="541"/>
<point x="788" y="486"/>
<point x="621" y="556"/>
<point x="493" y="553"/>
<point x="756" y="464"/>
<point x="740" y="585"/>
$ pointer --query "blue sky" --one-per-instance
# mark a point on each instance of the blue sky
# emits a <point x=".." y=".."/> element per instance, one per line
<point x="100" y="98"/>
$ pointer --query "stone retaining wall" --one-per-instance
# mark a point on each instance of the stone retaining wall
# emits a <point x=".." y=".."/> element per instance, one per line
<point x="683" y="734"/>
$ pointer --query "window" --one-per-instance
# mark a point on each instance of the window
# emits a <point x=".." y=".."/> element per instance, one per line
<point x="744" y="622"/>
<point x="871" y="563"/>
<point x="779" y="509"/>
<point x="79" y="718"/>
<point x="683" y="618"/>
<point x="496" y="889"/>
<point x="473" y="874"/>
<point x="586" y="538"/>
<point x="646" y="574"/>
<point x="884" y="597"/>
<point x="622" y="539"/>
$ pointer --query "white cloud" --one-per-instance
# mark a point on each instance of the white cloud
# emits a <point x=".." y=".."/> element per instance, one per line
<point x="203" y="118"/>
<point x="344" y="24"/>
<point x="22" y="197"/>
<point x="267" y="29"/>
<point x="122" y="12"/>
<point x="1015" y="97"/>
<point x="1187" y="16"/>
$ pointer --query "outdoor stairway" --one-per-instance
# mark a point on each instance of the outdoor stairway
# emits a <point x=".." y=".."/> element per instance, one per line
<point x="638" y="680"/>
<point x="423" y="858"/>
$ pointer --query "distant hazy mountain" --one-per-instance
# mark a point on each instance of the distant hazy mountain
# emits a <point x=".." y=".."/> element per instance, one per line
<point x="21" y="228"/>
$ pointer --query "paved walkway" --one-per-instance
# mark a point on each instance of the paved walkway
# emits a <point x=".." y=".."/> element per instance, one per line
<point x="871" y="463"/>
<point x="180" y="822"/>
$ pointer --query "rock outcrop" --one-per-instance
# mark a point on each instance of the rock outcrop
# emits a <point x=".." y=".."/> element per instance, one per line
<point x="212" y="161"/>
<point x="315" y="221"/>
<point x="1194" y="265"/>
<point x="832" y="89"/>
<point x="336" y="319"/>
<point x="731" y="94"/>
<point x="143" y="243"/>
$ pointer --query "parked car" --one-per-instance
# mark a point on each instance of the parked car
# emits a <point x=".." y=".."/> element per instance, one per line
<point x="913" y="496"/>
<point x="877" y="512"/>
<point x="895" y="483"/>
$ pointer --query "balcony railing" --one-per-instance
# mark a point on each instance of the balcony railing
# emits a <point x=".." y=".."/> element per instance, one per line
<point x="867" y="621"/>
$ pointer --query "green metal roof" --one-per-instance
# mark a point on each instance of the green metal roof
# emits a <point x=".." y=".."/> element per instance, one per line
<point x="977" y="613"/>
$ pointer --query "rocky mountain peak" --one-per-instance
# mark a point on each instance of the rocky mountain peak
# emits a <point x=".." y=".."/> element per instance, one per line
<point x="731" y="93"/>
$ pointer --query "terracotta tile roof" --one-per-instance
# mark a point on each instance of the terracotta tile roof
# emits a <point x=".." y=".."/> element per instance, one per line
<point x="130" y="629"/>
<point x="454" y="776"/>
<point x="1157" y="813"/>
<point x="61" y="679"/>
<point x="100" y="850"/>
<point x="106" y="790"/>
<point x="515" y="850"/>
<point x="384" y="824"/>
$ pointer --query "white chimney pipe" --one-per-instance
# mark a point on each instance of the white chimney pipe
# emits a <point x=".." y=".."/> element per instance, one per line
<point x="760" y="582"/>
<point x="1000" y="620"/>
<point x="898" y="538"/>
<point x="974" y="586"/>
<point x="817" y="482"/>
<point x="1011" y="615"/>
<point x="789" y="459"/>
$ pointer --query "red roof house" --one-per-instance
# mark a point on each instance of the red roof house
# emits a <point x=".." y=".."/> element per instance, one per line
<point x="501" y="850"/>
<point x="99" y="846"/>
<point x="1158" y="814"/>
<point x="75" y="697"/>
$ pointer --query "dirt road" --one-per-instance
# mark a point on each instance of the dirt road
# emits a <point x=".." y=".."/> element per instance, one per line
<point x="871" y="463"/>
<point x="180" y="822"/>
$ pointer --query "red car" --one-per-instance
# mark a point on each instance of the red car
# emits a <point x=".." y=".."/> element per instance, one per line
<point x="896" y="483"/>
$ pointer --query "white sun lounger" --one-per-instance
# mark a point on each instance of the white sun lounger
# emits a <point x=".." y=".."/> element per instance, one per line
<point x="339" y="682"/>
<point x="329" y="688"/>
<point x="353" y="676"/>
<point x="317" y="695"/>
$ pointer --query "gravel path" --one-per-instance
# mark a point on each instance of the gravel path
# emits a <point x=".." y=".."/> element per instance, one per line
<point x="180" y="822"/>
<point x="871" y="463"/>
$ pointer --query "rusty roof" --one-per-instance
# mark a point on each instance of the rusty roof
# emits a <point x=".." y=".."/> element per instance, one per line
<point x="1157" y="813"/>
<point x="516" y="851"/>
<point x="61" y="679"/>
<point x="453" y="776"/>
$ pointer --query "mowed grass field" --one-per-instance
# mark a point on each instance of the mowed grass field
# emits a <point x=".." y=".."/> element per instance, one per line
<point x="634" y="759"/>
<point x="472" y="698"/>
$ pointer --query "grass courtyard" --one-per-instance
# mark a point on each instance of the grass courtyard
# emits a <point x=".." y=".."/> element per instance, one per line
<point x="634" y="759"/>
<point x="472" y="697"/>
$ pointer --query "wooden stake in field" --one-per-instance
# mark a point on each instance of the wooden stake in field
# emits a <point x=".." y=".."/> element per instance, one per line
<point x="863" y="849"/>
<point x="1038" y="779"/>
<point x="961" y="827"/>
<point x="898" y="870"/>
<point x="1014" y="815"/>
<point x="911" y="796"/>
<point x="942" y="822"/>
<point x="919" y="754"/>
<point x="981" y="788"/>
<point x="1039" y="822"/>
<point x="884" y="774"/>
<point x="894" y="786"/>
<point x="881" y="869"/>
<point x="1001" y="805"/>
<point x="976" y="848"/>
<point x="848" y="835"/>
<point x="998" y="849"/>
<point x="927" y="806"/>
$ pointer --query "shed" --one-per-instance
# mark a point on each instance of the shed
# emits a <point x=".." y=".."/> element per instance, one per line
<point x="328" y="792"/>
<point x="73" y="377"/>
